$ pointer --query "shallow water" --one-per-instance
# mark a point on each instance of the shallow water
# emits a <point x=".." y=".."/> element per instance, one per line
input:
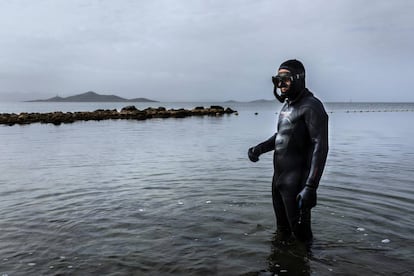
<point x="179" y="196"/>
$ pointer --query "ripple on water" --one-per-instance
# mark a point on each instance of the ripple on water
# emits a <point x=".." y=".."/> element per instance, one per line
<point x="180" y="197"/>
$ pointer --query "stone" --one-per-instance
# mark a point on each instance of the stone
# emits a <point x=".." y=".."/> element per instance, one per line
<point x="128" y="112"/>
<point x="129" y="108"/>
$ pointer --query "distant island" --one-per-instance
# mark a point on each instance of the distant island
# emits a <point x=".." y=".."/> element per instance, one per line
<point x="263" y="101"/>
<point x="255" y="101"/>
<point x="91" y="96"/>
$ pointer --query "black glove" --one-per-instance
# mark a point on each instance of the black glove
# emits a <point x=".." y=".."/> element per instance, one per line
<point x="253" y="155"/>
<point x="307" y="197"/>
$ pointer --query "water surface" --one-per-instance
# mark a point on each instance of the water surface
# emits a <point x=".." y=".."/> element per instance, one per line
<point x="179" y="196"/>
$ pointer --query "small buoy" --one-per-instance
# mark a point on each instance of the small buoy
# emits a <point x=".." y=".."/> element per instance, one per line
<point x="256" y="113"/>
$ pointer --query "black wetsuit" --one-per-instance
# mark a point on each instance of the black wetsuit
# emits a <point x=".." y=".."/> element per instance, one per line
<point x="300" y="150"/>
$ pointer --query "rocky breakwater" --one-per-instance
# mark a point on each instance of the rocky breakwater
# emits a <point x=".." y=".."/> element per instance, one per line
<point x="128" y="113"/>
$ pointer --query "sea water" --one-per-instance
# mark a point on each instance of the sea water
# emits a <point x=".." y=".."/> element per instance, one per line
<point x="179" y="196"/>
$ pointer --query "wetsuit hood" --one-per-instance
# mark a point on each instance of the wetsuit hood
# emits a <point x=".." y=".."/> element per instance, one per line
<point x="297" y="70"/>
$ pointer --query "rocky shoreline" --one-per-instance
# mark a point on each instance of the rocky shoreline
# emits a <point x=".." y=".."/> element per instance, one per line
<point x="126" y="113"/>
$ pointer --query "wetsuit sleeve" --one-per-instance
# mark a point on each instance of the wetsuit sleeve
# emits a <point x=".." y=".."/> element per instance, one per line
<point x="266" y="146"/>
<point x="317" y="122"/>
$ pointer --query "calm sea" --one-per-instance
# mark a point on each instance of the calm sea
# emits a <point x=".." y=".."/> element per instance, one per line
<point x="179" y="196"/>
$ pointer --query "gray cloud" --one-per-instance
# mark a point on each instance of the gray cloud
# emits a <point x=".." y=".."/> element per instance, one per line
<point x="205" y="50"/>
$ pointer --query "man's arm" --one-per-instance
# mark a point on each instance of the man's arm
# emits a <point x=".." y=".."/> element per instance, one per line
<point x="266" y="146"/>
<point x="317" y="122"/>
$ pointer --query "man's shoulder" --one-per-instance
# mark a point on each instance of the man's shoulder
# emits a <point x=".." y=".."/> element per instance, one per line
<point x="310" y="102"/>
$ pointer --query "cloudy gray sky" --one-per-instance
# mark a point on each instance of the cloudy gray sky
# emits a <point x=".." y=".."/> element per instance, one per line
<point x="205" y="50"/>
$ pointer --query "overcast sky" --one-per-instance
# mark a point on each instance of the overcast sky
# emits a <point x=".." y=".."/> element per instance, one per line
<point x="205" y="50"/>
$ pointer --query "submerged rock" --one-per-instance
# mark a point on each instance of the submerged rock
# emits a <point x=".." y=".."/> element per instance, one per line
<point x="129" y="108"/>
<point x="128" y="112"/>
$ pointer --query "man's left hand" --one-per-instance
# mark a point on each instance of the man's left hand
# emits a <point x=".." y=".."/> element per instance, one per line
<point x="307" y="197"/>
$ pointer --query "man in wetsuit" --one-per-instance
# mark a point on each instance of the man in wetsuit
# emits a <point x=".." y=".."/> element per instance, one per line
<point x="300" y="150"/>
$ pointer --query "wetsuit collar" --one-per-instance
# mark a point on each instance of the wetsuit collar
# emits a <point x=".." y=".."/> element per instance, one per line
<point x="301" y="94"/>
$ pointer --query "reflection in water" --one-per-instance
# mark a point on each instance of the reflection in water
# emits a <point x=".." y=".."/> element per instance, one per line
<point x="289" y="257"/>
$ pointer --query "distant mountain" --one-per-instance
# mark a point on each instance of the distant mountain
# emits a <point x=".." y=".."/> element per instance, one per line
<point x="255" y="101"/>
<point x="262" y="101"/>
<point x="93" y="97"/>
<point x="141" y="100"/>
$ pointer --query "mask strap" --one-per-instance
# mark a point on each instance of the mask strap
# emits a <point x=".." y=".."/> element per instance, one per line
<point x="300" y="76"/>
<point x="280" y="98"/>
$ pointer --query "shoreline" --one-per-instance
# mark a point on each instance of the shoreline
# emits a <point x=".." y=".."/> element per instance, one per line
<point x="126" y="113"/>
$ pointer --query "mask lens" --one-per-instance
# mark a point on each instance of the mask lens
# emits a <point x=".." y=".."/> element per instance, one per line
<point x="280" y="80"/>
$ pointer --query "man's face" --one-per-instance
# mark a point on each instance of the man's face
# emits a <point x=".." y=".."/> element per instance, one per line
<point x="288" y="83"/>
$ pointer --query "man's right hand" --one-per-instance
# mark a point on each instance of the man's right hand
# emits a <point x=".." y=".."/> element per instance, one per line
<point x="253" y="156"/>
